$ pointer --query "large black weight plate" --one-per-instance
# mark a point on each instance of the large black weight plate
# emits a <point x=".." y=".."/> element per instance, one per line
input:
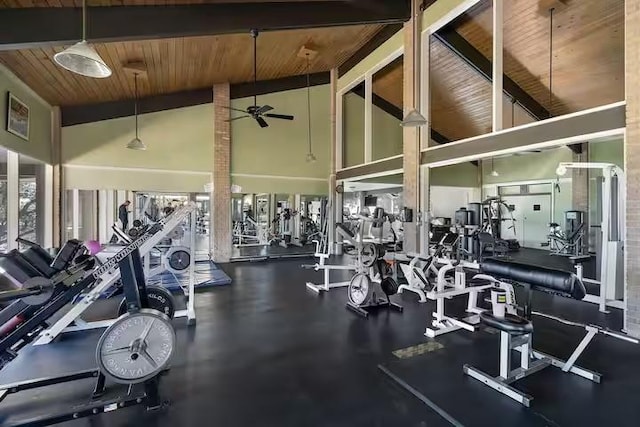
<point x="389" y="286"/>
<point x="160" y="299"/>
<point x="179" y="260"/>
<point x="38" y="283"/>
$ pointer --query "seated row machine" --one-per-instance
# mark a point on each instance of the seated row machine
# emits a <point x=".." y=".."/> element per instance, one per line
<point x="516" y="331"/>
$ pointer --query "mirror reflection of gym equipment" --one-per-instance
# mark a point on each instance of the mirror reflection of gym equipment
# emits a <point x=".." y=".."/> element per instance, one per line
<point x="276" y="225"/>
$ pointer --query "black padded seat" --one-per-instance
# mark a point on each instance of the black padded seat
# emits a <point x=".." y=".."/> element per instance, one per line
<point x="514" y="325"/>
<point x="479" y="282"/>
<point x="543" y="279"/>
<point x="345" y="230"/>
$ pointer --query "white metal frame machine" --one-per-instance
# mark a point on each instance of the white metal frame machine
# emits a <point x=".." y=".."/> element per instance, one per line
<point x="108" y="273"/>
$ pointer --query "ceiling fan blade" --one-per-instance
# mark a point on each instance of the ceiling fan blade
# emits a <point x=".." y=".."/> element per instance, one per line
<point x="262" y="122"/>
<point x="234" y="109"/>
<point x="280" y="116"/>
<point x="264" y="109"/>
<point x="237" y="118"/>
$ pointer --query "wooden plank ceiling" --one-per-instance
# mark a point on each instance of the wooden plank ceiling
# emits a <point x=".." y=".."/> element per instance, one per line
<point x="180" y="64"/>
<point x="588" y="49"/>
<point x="460" y="97"/>
<point x="588" y="64"/>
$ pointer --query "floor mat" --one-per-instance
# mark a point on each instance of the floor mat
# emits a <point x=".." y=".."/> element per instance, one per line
<point x="207" y="274"/>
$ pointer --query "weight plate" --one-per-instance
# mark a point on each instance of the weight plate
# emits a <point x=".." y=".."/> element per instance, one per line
<point x="369" y="254"/>
<point x="359" y="288"/>
<point x="159" y="298"/>
<point x="178" y="259"/>
<point x="42" y="297"/>
<point x="137" y="223"/>
<point x="136" y="347"/>
<point x="389" y="286"/>
<point x="133" y="232"/>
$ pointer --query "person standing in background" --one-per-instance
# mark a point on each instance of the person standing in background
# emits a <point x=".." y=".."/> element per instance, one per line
<point x="123" y="215"/>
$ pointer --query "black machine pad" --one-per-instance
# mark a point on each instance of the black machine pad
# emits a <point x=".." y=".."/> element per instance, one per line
<point x="346" y="230"/>
<point x="539" y="278"/>
<point x="514" y="325"/>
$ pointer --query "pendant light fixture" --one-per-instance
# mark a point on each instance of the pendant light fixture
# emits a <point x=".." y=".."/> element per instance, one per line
<point x="494" y="173"/>
<point x="311" y="158"/>
<point x="136" y="143"/>
<point x="81" y="58"/>
<point x="414" y="118"/>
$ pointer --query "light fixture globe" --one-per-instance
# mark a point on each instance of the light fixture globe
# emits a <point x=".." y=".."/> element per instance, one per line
<point x="136" y="144"/>
<point x="495" y="173"/>
<point x="561" y="170"/>
<point x="413" y="119"/>
<point x="82" y="59"/>
<point x="311" y="158"/>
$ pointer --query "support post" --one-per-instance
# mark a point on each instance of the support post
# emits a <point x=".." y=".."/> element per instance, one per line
<point x="331" y="206"/>
<point x="58" y="182"/>
<point x="221" y="210"/>
<point x="632" y="164"/>
<point x="411" y="135"/>
<point x="497" y="65"/>
<point x="580" y="189"/>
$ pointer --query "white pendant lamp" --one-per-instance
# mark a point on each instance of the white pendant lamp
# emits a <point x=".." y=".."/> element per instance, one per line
<point x="136" y="143"/>
<point x="494" y="173"/>
<point x="81" y="58"/>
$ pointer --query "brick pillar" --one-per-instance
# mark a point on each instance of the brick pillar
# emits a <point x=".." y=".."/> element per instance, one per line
<point x="632" y="164"/>
<point x="221" y="206"/>
<point x="580" y="189"/>
<point x="411" y="137"/>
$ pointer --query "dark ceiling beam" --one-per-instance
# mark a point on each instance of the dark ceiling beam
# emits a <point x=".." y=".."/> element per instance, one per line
<point x="78" y="114"/>
<point x="375" y="42"/>
<point x="472" y="56"/>
<point x="22" y="28"/>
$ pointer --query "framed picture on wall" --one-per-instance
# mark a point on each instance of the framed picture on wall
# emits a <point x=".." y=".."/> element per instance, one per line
<point x="17" y="117"/>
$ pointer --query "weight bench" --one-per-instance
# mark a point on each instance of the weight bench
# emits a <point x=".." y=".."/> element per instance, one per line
<point x="516" y="331"/>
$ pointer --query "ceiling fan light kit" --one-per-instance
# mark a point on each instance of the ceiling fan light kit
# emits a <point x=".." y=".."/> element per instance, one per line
<point x="136" y="143"/>
<point x="81" y="58"/>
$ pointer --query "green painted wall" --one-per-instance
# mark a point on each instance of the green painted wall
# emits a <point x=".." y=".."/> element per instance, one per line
<point x="39" y="144"/>
<point x="607" y="152"/>
<point x="527" y="166"/>
<point x="273" y="157"/>
<point x="353" y="130"/>
<point x="386" y="140"/>
<point x="178" y="139"/>
<point x="461" y="175"/>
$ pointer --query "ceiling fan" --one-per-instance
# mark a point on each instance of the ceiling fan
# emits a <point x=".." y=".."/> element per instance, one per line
<point x="255" y="111"/>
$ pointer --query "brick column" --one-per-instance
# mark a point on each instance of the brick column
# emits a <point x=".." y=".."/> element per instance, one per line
<point x="411" y="137"/>
<point x="580" y="189"/>
<point x="632" y="164"/>
<point x="221" y="198"/>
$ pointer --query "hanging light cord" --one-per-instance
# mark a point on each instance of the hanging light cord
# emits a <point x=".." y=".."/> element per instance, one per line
<point x="135" y="104"/>
<point x="513" y="112"/>
<point x="84" y="20"/>
<point x="309" y="103"/>
<point x="551" y="58"/>
<point x="255" y="67"/>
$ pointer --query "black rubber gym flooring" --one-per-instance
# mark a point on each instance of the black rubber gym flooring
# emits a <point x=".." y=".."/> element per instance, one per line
<point x="268" y="352"/>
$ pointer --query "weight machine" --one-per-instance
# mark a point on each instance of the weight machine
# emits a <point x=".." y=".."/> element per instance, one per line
<point x="612" y="285"/>
<point x="134" y="350"/>
<point x="108" y="273"/>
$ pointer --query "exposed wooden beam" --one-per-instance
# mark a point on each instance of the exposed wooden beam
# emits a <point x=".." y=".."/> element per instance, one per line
<point x="78" y="114"/>
<point x="457" y="44"/>
<point x="36" y="27"/>
<point x="376" y="41"/>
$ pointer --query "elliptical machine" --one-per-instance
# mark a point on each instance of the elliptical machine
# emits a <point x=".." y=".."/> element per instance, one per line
<point x="372" y="285"/>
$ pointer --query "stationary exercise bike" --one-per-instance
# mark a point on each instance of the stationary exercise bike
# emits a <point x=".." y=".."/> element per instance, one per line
<point x="372" y="285"/>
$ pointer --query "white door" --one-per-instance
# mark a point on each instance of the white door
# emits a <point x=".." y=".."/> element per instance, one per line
<point x="532" y="214"/>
